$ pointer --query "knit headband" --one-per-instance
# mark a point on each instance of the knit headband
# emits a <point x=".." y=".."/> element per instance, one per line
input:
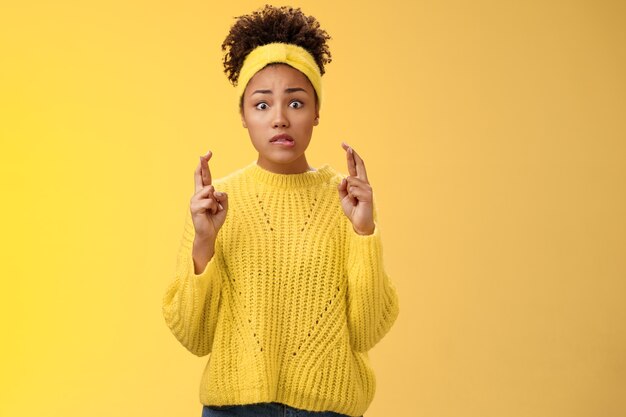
<point x="291" y="54"/>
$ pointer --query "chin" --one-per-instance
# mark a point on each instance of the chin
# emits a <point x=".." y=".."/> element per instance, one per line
<point x="280" y="156"/>
<point x="277" y="160"/>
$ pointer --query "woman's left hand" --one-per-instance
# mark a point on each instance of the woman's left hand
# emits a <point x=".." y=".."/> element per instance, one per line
<point x="355" y="193"/>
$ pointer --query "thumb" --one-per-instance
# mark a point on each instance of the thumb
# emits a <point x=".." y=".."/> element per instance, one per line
<point x="222" y="198"/>
<point x="343" y="188"/>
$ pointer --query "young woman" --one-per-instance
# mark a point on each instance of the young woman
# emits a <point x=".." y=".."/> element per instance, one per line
<point x="280" y="273"/>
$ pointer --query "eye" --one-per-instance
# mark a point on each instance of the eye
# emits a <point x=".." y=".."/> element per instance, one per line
<point x="296" y="102"/>
<point x="258" y="106"/>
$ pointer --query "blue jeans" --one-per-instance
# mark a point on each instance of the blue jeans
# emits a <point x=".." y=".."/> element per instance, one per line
<point x="263" y="410"/>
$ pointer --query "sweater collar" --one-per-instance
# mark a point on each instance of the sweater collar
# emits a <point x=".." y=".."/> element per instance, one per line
<point x="303" y="179"/>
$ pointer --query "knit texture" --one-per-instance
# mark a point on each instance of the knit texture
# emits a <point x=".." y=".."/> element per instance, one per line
<point x="292" y="299"/>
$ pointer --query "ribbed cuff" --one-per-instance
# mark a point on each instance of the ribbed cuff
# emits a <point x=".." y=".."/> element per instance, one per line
<point x="364" y="248"/>
<point x="204" y="279"/>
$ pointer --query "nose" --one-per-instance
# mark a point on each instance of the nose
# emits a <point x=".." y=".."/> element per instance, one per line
<point x="280" y="119"/>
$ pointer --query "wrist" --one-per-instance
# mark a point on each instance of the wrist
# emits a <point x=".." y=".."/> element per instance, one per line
<point x="204" y="241"/>
<point x="365" y="231"/>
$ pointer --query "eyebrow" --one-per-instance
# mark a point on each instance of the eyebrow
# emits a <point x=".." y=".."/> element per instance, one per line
<point x="287" y="90"/>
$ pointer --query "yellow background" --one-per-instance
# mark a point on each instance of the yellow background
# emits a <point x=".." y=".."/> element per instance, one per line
<point x="493" y="134"/>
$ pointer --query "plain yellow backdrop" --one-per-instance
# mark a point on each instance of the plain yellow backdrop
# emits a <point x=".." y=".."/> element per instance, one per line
<point x="493" y="134"/>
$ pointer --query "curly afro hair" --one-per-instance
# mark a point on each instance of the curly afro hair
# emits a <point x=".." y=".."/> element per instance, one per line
<point x="273" y="24"/>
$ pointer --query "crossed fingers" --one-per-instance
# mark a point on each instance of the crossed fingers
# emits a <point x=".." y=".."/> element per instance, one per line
<point x="356" y="166"/>
<point x="202" y="179"/>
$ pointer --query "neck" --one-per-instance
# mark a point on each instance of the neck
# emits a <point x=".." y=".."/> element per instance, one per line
<point x="298" y="180"/>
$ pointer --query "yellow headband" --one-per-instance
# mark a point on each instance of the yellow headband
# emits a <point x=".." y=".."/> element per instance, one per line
<point x="293" y="55"/>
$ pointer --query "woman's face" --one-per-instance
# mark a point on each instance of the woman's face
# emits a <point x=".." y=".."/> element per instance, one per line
<point x="279" y="99"/>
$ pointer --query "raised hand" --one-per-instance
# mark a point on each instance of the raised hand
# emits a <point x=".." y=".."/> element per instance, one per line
<point x="356" y="194"/>
<point x="208" y="206"/>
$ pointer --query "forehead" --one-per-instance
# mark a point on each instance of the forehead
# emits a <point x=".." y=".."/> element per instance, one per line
<point x="279" y="75"/>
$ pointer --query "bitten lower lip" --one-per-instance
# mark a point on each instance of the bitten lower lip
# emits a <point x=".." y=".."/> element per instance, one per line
<point x="284" y="142"/>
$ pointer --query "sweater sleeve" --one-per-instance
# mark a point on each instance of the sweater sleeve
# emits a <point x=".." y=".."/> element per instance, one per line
<point x="372" y="298"/>
<point x="191" y="301"/>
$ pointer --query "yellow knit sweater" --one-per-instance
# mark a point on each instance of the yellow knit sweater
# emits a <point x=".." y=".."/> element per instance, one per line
<point x="292" y="300"/>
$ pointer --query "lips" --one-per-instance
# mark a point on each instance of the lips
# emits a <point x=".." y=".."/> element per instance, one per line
<point x="283" y="137"/>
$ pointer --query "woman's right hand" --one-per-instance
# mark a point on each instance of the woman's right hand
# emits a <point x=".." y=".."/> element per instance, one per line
<point x="208" y="206"/>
